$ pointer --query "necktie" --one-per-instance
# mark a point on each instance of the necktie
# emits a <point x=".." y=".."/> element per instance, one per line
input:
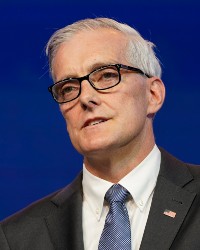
<point x="116" y="234"/>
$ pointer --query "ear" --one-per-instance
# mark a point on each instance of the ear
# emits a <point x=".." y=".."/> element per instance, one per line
<point x="156" y="92"/>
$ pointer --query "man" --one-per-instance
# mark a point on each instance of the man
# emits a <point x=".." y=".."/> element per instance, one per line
<point x="107" y="81"/>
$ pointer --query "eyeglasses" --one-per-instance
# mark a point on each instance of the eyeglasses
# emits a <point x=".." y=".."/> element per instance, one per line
<point x="103" y="78"/>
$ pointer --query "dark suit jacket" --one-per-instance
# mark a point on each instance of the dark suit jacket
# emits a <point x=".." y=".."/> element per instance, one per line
<point x="55" y="222"/>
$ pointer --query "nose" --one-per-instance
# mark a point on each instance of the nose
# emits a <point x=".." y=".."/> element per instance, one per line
<point x="89" y="97"/>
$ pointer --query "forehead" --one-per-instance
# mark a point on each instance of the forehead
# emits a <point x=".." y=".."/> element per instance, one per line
<point x="91" y="47"/>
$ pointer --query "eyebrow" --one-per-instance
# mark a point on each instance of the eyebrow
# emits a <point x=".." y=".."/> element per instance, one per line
<point x="99" y="65"/>
<point x="90" y="69"/>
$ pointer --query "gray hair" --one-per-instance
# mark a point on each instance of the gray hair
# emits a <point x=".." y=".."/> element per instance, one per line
<point x="139" y="53"/>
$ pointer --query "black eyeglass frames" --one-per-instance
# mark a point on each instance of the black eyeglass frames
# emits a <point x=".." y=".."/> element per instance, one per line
<point x="103" y="78"/>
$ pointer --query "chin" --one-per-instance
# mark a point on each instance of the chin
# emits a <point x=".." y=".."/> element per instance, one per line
<point x="94" y="147"/>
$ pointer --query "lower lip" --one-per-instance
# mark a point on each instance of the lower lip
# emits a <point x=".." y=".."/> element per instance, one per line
<point x="93" y="126"/>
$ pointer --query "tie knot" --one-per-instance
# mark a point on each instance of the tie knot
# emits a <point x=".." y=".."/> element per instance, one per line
<point x="116" y="193"/>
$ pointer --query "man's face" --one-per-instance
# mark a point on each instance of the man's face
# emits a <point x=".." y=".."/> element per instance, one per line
<point x="102" y="122"/>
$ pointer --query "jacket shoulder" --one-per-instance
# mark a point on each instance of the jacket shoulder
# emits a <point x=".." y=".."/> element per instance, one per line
<point x="39" y="208"/>
<point x="27" y="225"/>
<point x="46" y="205"/>
<point x="194" y="169"/>
<point x="29" y="228"/>
<point x="182" y="174"/>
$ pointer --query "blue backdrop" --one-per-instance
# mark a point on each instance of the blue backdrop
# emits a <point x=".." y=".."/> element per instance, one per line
<point x="36" y="156"/>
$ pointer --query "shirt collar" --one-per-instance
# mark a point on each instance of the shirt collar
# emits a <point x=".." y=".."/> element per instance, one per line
<point x="141" y="181"/>
<point x="95" y="188"/>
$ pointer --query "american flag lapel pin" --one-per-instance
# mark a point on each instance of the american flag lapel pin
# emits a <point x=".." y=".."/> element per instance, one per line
<point x="169" y="213"/>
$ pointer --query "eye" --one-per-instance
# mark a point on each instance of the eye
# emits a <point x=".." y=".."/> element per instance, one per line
<point x="104" y="75"/>
<point x="69" y="87"/>
<point x="109" y="75"/>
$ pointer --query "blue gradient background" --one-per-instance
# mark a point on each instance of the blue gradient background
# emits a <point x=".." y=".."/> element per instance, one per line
<point x="36" y="156"/>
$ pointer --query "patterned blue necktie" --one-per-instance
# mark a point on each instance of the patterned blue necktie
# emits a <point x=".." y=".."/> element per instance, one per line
<point x="116" y="234"/>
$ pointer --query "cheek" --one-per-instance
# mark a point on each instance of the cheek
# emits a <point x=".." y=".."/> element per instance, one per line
<point x="71" y="124"/>
<point x="134" y="104"/>
<point x="70" y="119"/>
<point x="72" y="132"/>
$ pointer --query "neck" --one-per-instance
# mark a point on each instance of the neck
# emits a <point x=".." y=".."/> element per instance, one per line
<point x="113" y="166"/>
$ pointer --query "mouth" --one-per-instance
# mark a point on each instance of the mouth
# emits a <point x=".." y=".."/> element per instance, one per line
<point x="94" y="122"/>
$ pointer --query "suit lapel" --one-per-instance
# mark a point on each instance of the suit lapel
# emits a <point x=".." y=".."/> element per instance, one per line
<point x="161" y="229"/>
<point x="65" y="223"/>
<point x="169" y="194"/>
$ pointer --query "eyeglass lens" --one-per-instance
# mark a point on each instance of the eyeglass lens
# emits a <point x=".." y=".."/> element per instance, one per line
<point x="100" y="79"/>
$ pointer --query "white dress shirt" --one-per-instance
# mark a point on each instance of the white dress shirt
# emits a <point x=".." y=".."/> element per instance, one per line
<point x="140" y="183"/>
